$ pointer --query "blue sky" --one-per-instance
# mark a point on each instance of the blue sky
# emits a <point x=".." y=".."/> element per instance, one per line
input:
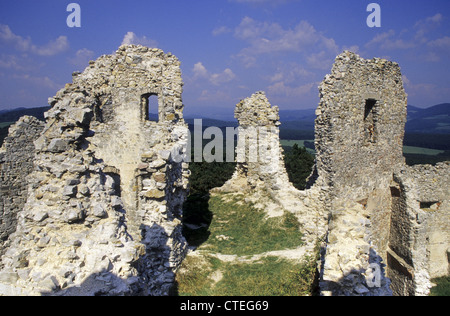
<point x="229" y="49"/>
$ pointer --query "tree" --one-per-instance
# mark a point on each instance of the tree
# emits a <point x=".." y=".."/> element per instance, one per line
<point x="299" y="164"/>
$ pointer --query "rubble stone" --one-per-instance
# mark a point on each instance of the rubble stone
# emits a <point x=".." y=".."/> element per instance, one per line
<point x="87" y="210"/>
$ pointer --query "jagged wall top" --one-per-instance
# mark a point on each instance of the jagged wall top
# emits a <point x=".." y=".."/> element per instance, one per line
<point x="257" y="111"/>
<point x="138" y="70"/>
<point x="360" y="124"/>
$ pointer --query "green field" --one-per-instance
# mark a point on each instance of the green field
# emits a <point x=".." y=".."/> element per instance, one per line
<point x="5" y="124"/>
<point x="300" y="143"/>
<point x="421" y="151"/>
<point x="406" y="149"/>
<point x="233" y="232"/>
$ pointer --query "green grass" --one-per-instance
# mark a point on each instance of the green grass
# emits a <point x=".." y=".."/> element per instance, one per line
<point x="5" y="124"/>
<point x="247" y="230"/>
<point x="442" y="287"/>
<point x="270" y="276"/>
<point x="421" y="151"/>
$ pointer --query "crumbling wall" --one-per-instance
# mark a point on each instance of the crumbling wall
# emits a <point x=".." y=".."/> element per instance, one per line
<point x="261" y="174"/>
<point x="360" y="126"/>
<point x="260" y="161"/>
<point x="103" y="215"/>
<point x="359" y="142"/>
<point x="419" y="235"/>
<point x="16" y="163"/>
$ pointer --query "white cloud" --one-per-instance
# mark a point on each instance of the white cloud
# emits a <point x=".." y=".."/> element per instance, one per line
<point x="267" y="38"/>
<point x="425" y="26"/>
<point x="221" y="30"/>
<point x="282" y="89"/>
<point x="421" y="89"/>
<point x="52" y="48"/>
<point x="20" y="43"/>
<point x="407" y="39"/>
<point x="132" y="39"/>
<point x="389" y="41"/>
<point x="226" y="76"/>
<point x="200" y="72"/>
<point x="441" y="43"/>
<point x="321" y="60"/>
<point x="11" y="62"/>
<point x="207" y="95"/>
<point x="43" y="82"/>
<point x="289" y="73"/>
<point x="82" y="57"/>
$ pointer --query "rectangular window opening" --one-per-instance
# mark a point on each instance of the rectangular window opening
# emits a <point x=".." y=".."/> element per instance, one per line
<point x="430" y="205"/>
<point x="150" y="107"/>
<point x="370" y="121"/>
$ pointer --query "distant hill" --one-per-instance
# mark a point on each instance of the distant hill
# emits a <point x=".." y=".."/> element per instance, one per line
<point x="15" y="114"/>
<point x="433" y="120"/>
<point x="206" y="122"/>
<point x="308" y="115"/>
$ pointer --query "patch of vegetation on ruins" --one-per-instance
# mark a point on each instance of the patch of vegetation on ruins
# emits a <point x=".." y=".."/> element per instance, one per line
<point x="442" y="287"/>
<point x="229" y="226"/>
<point x="269" y="276"/>
<point x="237" y="228"/>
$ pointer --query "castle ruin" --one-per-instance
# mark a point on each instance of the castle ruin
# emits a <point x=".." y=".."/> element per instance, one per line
<point x="383" y="226"/>
<point x="376" y="213"/>
<point x="102" y="211"/>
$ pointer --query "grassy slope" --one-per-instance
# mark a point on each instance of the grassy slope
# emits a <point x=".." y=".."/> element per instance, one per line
<point x="237" y="228"/>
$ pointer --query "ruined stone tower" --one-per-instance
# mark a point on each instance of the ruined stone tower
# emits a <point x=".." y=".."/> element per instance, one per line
<point x="259" y="154"/>
<point x="103" y="214"/>
<point x="382" y="239"/>
<point x="261" y="174"/>
<point x="360" y="126"/>
<point x="359" y="142"/>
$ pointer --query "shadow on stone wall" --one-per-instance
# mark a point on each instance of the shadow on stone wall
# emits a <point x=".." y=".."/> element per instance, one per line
<point x="360" y="282"/>
<point x="152" y="274"/>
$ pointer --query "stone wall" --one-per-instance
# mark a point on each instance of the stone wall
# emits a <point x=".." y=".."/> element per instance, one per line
<point x="260" y="161"/>
<point x="261" y="174"/>
<point x="420" y="226"/>
<point x="16" y="163"/>
<point x="360" y="126"/>
<point x="107" y="181"/>
<point x="103" y="216"/>
<point x="359" y="142"/>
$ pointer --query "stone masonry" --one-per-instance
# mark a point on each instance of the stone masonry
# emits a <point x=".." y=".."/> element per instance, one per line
<point x="359" y="141"/>
<point x="16" y="163"/>
<point x="103" y="214"/>
<point x="261" y="174"/>
<point x="420" y="228"/>
<point x="376" y="227"/>
<point x="259" y="153"/>
<point x="369" y="234"/>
